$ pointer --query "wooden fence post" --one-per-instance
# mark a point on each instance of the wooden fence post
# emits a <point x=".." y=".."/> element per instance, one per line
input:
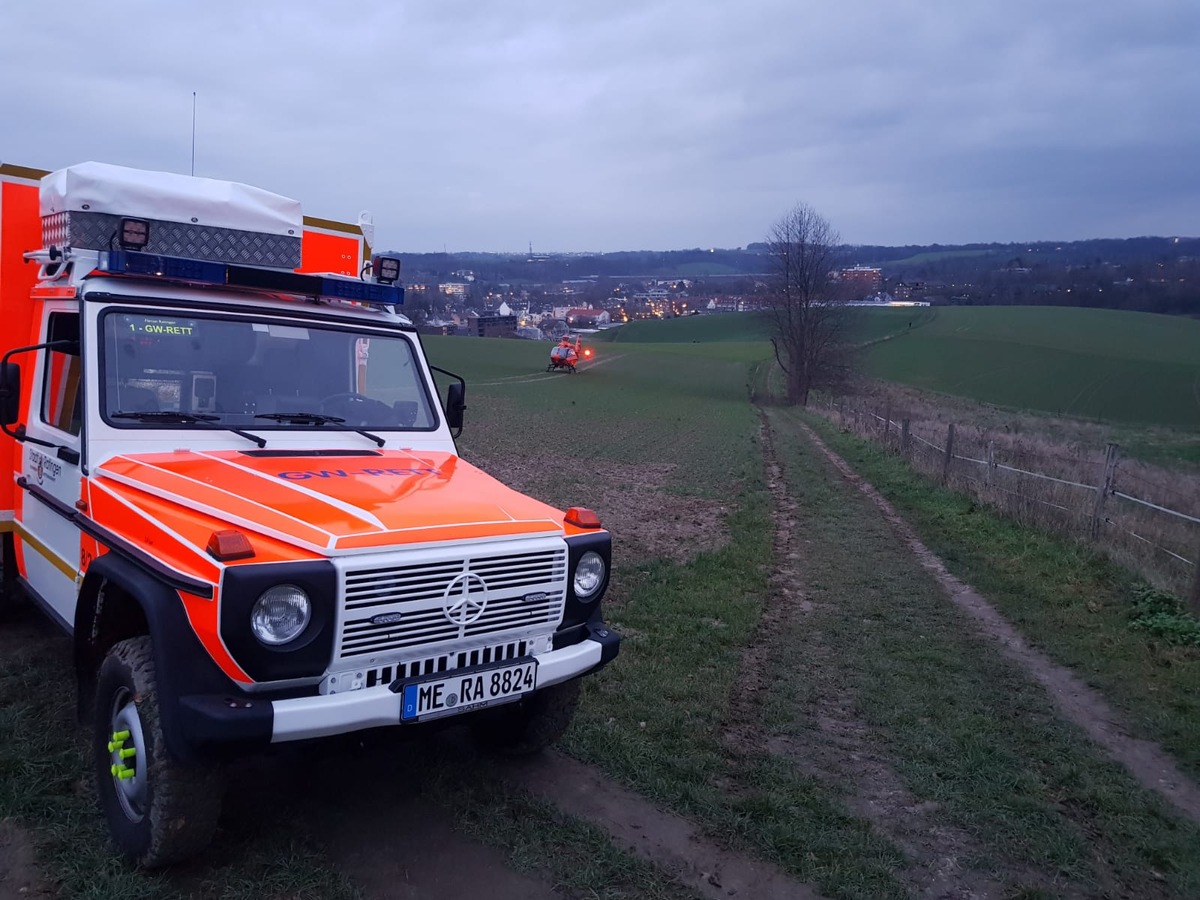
<point x="904" y="438"/>
<point x="991" y="466"/>
<point x="949" y="452"/>
<point x="887" y="424"/>
<point x="1103" y="489"/>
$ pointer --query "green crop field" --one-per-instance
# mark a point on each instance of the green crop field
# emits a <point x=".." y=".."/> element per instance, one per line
<point x="589" y="414"/>
<point x="1108" y="365"/>
<point x="691" y="329"/>
<point x="1089" y="363"/>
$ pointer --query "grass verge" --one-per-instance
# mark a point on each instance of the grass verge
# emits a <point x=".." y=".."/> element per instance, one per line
<point x="963" y="727"/>
<point x="1068" y="601"/>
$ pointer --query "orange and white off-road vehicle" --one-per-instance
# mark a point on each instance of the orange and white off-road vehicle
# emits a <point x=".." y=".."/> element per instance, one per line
<point x="233" y="484"/>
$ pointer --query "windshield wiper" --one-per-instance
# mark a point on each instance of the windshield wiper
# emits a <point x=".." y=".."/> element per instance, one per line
<point x="183" y="418"/>
<point x="310" y="418"/>
<point x="164" y="415"/>
<point x="302" y="418"/>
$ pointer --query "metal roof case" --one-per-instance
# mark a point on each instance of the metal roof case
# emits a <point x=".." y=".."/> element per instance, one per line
<point x="196" y="218"/>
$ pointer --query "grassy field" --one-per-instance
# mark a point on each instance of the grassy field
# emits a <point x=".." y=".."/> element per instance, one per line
<point x="968" y="738"/>
<point x="791" y="679"/>
<point x="1122" y="368"/>
<point x="692" y="329"/>
<point x="931" y="256"/>
<point x="1089" y="363"/>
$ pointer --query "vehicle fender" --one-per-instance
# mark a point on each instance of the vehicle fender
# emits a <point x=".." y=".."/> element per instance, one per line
<point x="182" y="665"/>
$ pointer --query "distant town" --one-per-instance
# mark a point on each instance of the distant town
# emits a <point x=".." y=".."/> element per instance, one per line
<point x="541" y="296"/>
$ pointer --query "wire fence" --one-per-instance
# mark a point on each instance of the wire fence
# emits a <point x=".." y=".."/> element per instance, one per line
<point x="1043" y="485"/>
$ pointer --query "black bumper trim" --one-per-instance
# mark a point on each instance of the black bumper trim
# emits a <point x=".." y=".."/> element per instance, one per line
<point x="216" y="726"/>
<point x="609" y="641"/>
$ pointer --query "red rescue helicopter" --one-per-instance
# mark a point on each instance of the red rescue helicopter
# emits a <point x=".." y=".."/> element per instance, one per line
<point x="566" y="355"/>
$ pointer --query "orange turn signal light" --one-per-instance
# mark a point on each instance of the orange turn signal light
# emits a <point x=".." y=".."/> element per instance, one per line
<point x="582" y="517"/>
<point x="229" y="544"/>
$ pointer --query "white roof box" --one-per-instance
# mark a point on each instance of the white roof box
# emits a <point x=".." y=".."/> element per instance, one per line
<point x="197" y="218"/>
<point x="121" y="191"/>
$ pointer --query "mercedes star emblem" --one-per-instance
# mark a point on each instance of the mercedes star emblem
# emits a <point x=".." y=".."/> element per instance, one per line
<point x="465" y="599"/>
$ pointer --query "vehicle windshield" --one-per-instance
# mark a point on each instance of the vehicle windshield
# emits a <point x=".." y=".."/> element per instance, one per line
<point x="175" y="371"/>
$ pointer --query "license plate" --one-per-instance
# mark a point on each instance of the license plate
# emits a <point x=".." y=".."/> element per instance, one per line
<point x="462" y="691"/>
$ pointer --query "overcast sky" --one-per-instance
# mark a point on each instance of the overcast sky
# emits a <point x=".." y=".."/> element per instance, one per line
<point x="615" y="125"/>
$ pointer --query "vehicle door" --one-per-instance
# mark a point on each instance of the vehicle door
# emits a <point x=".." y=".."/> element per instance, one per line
<point x="50" y="475"/>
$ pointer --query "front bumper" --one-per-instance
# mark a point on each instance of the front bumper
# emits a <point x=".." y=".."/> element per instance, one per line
<point x="219" y="726"/>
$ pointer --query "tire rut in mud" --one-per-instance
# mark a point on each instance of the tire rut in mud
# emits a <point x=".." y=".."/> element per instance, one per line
<point x="841" y="750"/>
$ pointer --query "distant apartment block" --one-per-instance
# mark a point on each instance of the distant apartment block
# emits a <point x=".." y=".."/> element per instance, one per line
<point x="862" y="280"/>
<point x="454" y="288"/>
<point x="491" y="326"/>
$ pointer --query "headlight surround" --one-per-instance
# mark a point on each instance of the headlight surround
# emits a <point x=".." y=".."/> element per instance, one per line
<point x="589" y="575"/>
<point x="280" y="615"/>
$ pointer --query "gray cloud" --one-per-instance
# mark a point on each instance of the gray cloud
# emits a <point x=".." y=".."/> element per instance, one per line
<point x="626" y="125"/>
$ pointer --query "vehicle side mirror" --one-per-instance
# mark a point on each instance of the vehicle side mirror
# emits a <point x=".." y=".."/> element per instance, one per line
<point x="10" y="393"/>
<point x="456" y="402"/>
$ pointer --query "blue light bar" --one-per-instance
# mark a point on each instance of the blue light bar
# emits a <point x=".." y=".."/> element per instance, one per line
<point x="176" y="268"/>
<point x="361" y="291"/>
<point x="196" y="271"/>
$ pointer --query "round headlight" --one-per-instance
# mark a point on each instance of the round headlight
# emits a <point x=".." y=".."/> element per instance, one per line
<point x="589" y="575"/>
<point x="280" y="614"/>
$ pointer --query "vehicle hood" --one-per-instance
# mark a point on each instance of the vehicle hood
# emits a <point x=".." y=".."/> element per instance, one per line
<point x="331" y="501"/>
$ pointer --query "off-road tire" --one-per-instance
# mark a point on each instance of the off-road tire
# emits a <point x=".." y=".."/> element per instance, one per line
<point x="180" y="804"/>
<point x="531" y="724"/>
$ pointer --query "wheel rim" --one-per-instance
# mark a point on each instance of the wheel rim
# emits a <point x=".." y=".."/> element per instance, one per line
<point x="127" y="757"/>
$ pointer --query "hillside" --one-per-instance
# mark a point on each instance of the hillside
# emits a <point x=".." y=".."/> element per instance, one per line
<point x="1089" y="363"/>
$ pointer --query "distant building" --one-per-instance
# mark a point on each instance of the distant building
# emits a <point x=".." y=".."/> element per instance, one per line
<point x="863" y="280"/>
<point x="587" y="318"/>
<point x="904" y="290"/>
<point x="454" y="288"/>
<point x="734" y="303"/>
<point x="491" y="325"/>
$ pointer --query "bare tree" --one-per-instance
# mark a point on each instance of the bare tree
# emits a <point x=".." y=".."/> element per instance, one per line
<point x="806" y="307"/>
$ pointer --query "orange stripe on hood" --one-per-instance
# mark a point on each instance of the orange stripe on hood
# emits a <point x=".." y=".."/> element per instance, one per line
<point x="339" y="502"/>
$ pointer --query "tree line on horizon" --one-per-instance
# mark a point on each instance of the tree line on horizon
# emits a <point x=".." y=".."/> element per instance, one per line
<point x="1147" y="274"/>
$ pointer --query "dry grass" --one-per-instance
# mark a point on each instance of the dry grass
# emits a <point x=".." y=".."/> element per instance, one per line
<point x="1162" y="548"/>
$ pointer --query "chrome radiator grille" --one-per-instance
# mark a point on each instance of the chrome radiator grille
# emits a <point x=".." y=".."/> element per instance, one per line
<point x="431" y="601"/>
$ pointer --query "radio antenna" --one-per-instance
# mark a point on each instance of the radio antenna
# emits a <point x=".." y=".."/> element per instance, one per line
<point x="193" y="133"/>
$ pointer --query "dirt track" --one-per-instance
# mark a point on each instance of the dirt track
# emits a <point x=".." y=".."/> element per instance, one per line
<point x="1149" y="764"/>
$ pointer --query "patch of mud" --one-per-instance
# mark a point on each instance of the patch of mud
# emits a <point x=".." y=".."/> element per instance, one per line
<point x="670" y="842"/>
<point x="363" y="799"/>
<point x="435" y="860"/>
<point x="1149" y="764"/>
<point x="20" y="878"/>
<point x="646" y="519"/>
<point x="840" y="750"/>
